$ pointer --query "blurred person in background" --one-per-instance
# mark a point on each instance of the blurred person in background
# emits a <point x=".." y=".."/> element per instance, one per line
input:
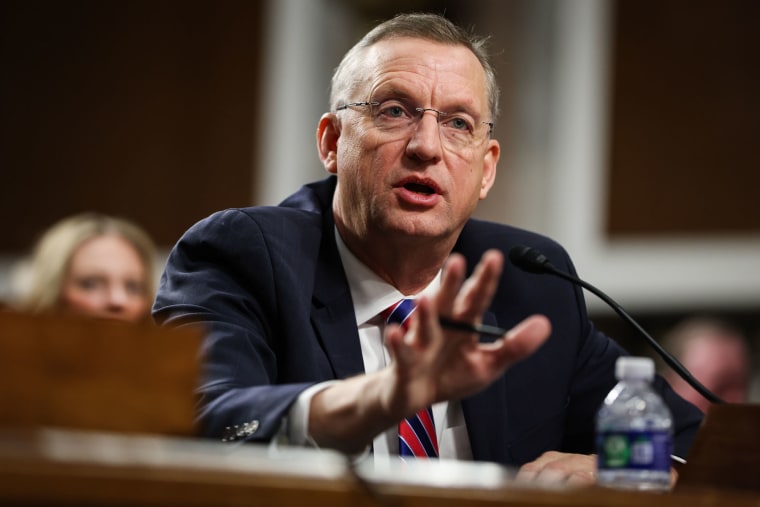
<point x="90" y="264"/>
<point x="716" y="353"/>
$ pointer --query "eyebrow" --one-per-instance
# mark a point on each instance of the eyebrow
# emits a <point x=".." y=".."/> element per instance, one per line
<point x="396" y="92"/>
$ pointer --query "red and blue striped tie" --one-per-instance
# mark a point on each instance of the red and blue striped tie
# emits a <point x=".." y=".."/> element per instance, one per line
<point x="416" y="434"/>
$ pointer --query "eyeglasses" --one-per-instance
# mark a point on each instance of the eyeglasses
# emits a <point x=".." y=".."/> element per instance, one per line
<point x="395" y="117"/>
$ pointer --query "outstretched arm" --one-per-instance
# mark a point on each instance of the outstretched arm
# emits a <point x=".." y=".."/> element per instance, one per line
<point x="429" y="364"/>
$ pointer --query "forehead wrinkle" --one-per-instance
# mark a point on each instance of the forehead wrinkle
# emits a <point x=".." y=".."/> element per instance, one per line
<point x="441" y="82"/>
<point x="389" y="89"/>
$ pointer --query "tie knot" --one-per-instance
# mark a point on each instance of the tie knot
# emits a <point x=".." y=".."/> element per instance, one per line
<point x="399" y="313"/>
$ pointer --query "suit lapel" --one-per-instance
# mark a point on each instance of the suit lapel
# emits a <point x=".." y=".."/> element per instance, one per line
<point x="332" y="313"/>
<point x="337" y="333"/>
<point x="486" y="412"/>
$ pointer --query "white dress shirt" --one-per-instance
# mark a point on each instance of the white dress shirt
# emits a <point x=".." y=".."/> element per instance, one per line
<point x="371" y="295"/>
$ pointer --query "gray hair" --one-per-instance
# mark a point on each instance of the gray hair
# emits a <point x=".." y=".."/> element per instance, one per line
<point x="431" y="27"/>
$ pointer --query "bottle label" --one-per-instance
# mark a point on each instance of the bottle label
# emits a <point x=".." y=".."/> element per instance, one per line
<point x="638" y="450"/>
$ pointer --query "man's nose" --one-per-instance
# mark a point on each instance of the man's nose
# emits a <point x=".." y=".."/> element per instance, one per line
<point x="425" y="140"/>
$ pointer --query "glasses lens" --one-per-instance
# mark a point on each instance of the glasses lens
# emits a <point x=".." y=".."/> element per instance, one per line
<point x="399" y="119"/>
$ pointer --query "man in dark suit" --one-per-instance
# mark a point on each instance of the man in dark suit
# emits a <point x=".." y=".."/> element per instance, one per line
<point x="291" y="296"/>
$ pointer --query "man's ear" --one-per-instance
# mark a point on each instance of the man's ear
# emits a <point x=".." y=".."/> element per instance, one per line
<point x="490" y="160"/>
<point x="328" y="132"/>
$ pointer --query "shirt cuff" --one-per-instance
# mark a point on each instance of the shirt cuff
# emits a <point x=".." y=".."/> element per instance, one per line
<point x="298" y="416"/>
<point x="298" y="421"/>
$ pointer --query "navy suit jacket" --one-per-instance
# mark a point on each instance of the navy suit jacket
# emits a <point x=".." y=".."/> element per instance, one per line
<point x="268" y="285"/>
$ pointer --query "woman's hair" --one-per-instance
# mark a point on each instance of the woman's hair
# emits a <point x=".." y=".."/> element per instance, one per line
<point x="432" y="27"/>
<point x="53" y="252"/>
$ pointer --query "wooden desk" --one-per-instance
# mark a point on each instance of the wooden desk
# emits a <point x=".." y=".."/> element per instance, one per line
<point x="74" y="372"/>
<point x="60" y="468"/>
<point x="122" y="399"/>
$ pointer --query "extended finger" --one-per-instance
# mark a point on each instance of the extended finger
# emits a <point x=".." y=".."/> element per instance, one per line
<point x="451" y="282"/>
<point x="427" y="329"/>
<point x="476" y="293"/>
<point x="394" y="338"/>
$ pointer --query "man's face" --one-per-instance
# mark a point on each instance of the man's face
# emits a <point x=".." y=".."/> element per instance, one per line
<point x="414" y="180"/>
<point x="720" y="362"/>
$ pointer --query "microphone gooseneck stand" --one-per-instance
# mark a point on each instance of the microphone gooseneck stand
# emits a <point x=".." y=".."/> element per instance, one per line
<point x="532" y="261"/>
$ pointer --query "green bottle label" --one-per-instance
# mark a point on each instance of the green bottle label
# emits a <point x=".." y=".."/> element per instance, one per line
<point x="640" y="450"/>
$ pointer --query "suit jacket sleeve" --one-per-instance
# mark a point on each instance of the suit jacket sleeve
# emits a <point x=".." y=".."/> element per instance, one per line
<point x="223" y="276"/>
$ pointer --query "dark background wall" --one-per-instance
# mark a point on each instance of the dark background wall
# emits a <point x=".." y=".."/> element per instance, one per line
<point x="135" y="108"/>
<point x="685" y="119"/>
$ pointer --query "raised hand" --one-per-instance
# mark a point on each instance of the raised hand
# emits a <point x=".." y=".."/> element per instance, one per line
<point x="429" y="364"/>
<point x="432" y="364"/>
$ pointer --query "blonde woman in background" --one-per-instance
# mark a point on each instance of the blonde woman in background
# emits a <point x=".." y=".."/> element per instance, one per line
<point x="92" y="264"/>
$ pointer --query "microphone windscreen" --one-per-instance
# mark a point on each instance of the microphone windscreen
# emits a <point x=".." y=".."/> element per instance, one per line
<point x="528" y="259"/>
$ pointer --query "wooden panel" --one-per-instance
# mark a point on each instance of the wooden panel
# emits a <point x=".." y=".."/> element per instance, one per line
<point x="102" y="375"/>
<point x="685" y="118"/>
<point x="726" y="451"/>
<point x="141" y="109"/>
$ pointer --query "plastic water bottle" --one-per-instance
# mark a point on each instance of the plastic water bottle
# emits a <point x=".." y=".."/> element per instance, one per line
<point x="634" y="436"/>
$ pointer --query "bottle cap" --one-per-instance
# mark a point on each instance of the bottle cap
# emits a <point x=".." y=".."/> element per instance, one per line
<point x="628" y="367"/>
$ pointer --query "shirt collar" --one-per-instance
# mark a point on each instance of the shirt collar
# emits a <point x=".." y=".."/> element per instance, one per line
<point x="370" y="293"/>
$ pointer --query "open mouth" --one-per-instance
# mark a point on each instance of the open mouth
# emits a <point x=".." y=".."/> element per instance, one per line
<point x="419" y="188"/>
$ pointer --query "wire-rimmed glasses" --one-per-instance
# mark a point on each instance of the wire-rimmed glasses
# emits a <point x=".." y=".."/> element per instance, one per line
<point x="396" y="117"/>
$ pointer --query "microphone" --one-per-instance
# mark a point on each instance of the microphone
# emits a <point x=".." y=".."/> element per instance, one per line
<point x="532" y="261"/>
